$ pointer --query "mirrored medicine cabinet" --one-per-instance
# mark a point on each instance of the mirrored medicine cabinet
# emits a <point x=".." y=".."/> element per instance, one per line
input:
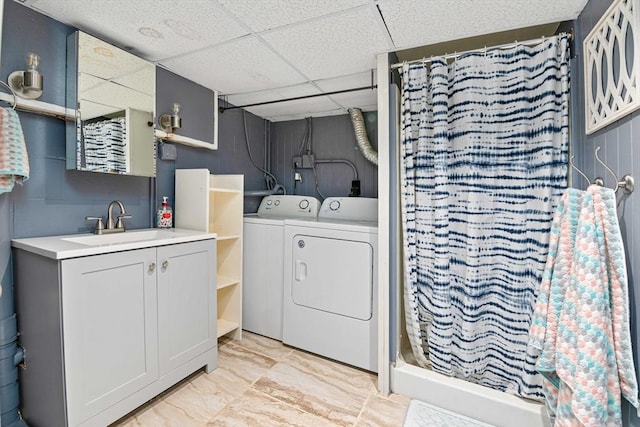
<point x="113" y="95"/>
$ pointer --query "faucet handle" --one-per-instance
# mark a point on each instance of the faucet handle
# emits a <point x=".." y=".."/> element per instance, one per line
<point x="99" y="223"/>
<point x="120" y="224"/>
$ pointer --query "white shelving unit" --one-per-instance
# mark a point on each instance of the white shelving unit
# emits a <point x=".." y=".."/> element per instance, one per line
<point x="213" y="203"/>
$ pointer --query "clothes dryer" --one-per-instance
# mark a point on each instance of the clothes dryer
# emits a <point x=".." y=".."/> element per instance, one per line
<point x="331" y="281"/>
<point x="262" y="266"/>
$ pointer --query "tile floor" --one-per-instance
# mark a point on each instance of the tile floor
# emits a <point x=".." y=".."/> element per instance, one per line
<point x="261" y="382"/>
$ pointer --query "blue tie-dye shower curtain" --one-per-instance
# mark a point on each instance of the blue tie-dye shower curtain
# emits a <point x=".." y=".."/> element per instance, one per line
<point x="484" y="155"/>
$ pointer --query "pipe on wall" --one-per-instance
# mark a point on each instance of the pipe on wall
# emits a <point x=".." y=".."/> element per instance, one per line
<point x="10" y="357"/>
<point x="361" y="136"/>
<point x="346" y="162"/>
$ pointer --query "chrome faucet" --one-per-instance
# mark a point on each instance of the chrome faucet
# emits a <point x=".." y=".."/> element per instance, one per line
<point x="118" y="227"/>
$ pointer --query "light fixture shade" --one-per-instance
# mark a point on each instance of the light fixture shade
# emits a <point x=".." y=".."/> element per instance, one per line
<point x="32" y="79"/>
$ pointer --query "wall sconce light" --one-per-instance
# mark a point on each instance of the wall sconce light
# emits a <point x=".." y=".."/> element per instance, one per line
<point x="169" y="123"/>
<point x="27" y="84"/>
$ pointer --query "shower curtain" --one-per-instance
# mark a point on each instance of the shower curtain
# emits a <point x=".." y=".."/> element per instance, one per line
<point x="484" y="154"/>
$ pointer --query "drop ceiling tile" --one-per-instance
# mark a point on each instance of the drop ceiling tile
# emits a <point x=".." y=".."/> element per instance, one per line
<point x="346" y="82"/>
<point x="140" y="80"/>
<point x="265" y="15"/>
<point x="155" y="29"/>
<point x="332" y="46"/>
<point x="273" y="94"/>
<point x="118" y="96"/>
<point x="88" y="81"/>
<point x="360" y="99"/>
<point x="439" y="21"/>
<point x="303" y="106"/>
<point x="242" y="65"/>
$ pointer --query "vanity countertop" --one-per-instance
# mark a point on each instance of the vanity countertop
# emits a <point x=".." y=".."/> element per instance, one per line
<point x="79" y="245"/>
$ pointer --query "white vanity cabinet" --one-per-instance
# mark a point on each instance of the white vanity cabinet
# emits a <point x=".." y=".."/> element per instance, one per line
<point x="103" y="334"/>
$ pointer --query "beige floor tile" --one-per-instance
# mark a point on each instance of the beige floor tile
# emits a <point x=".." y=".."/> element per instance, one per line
<point x="381" y="411"/>
<point x="242" y="362"/>
<point x="161" y="414"/>
<point x="199" y="404"/>
<point x="267" y="346"/>
<point x="256" y="409"/>
<point x="366" y="382"/>
<point x="404" y="400"/>
<point x="333" y="399"/>
<point x="222" y="382"/>
<point x="261" y="382"/>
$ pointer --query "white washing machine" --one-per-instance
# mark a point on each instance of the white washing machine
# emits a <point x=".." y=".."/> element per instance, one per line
<point x="331" y="280"/>
<point x="263" y="249"/>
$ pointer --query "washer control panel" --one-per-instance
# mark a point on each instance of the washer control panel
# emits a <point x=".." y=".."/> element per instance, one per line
<point x="290" y="206"/>
<point x="350" y="208"/>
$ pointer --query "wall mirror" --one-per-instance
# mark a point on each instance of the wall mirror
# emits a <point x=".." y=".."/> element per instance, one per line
<point x="113" y="94"/>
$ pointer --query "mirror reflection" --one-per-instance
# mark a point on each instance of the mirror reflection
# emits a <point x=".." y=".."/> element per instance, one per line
<point x="113" y="93"/>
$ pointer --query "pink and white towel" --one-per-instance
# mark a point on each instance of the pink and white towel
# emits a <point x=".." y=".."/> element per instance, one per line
<point x="580" y="325"/>
<point x="14" y="163"/>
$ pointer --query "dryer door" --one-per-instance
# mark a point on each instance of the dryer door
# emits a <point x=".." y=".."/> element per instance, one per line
<point x="333" y="275"/>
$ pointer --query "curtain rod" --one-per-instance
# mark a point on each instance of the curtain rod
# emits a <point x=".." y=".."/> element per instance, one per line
<point x="482" y="49"/>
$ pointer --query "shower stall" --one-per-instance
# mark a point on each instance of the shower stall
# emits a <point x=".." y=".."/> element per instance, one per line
<point x="399" y="371"/>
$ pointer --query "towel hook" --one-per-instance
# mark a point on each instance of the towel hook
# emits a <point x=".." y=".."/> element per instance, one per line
<point x="627" y="181"/>
<point x="578" y="170"/>
<point x="15" y="101"/>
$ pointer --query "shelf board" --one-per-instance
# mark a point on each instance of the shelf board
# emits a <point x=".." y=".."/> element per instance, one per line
<point x="224" y="281"/>
<point x="228" y="237"/>
<point x="224" y="190"/>
<point x="225" y="326"/>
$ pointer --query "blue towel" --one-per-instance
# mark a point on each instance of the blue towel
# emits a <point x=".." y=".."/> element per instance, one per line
<point x="14" y="163"/>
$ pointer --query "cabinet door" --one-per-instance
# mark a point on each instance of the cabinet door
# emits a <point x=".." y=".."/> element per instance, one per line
<point x="186" y="302"/>
<point x="109" y="321"/>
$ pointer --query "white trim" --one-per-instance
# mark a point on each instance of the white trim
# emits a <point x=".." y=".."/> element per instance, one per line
<point x="215" y="119"/>
<point x="184" y="140"/>
<point x="466" y="398"/>
<point x="383" y="223"/>
<point x="39" y="107"/>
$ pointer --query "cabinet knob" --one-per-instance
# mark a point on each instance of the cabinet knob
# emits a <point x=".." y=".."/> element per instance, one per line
<point x="165" y="264"/>
<point x="152" y="266"/>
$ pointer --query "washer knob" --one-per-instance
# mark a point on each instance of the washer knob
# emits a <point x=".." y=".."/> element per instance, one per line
<point x="269" y="202"/>
<point x="277" y="203"/>
<point x="334" y="205"/>
<point x="304" y="204"/>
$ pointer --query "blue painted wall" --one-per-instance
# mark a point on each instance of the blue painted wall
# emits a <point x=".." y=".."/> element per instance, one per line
<point x="332" y="138"/>
<point x="620" y="149"/>
<point x="55" y="201"/>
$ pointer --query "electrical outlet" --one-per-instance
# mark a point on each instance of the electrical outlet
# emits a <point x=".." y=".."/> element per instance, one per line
<point x="297" y="162"/>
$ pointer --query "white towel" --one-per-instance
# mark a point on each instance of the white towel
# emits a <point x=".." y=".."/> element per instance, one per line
<point x="14" y="163"/>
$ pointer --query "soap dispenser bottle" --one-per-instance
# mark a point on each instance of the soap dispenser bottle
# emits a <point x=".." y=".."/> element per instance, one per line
<point x="165" y="214"/>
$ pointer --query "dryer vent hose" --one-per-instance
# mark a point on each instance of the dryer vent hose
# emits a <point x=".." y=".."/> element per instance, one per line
<point x="361" y="136"/>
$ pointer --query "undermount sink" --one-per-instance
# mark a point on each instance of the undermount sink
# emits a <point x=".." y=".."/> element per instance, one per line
<point x="79" y="245"/>
<point x="126" y="237"/>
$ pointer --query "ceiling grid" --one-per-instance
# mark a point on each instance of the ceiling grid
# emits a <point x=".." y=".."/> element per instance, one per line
<point x="255" y="51"/>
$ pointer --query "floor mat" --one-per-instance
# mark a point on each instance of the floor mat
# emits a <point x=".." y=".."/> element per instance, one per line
<point x="422" y="414"/>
